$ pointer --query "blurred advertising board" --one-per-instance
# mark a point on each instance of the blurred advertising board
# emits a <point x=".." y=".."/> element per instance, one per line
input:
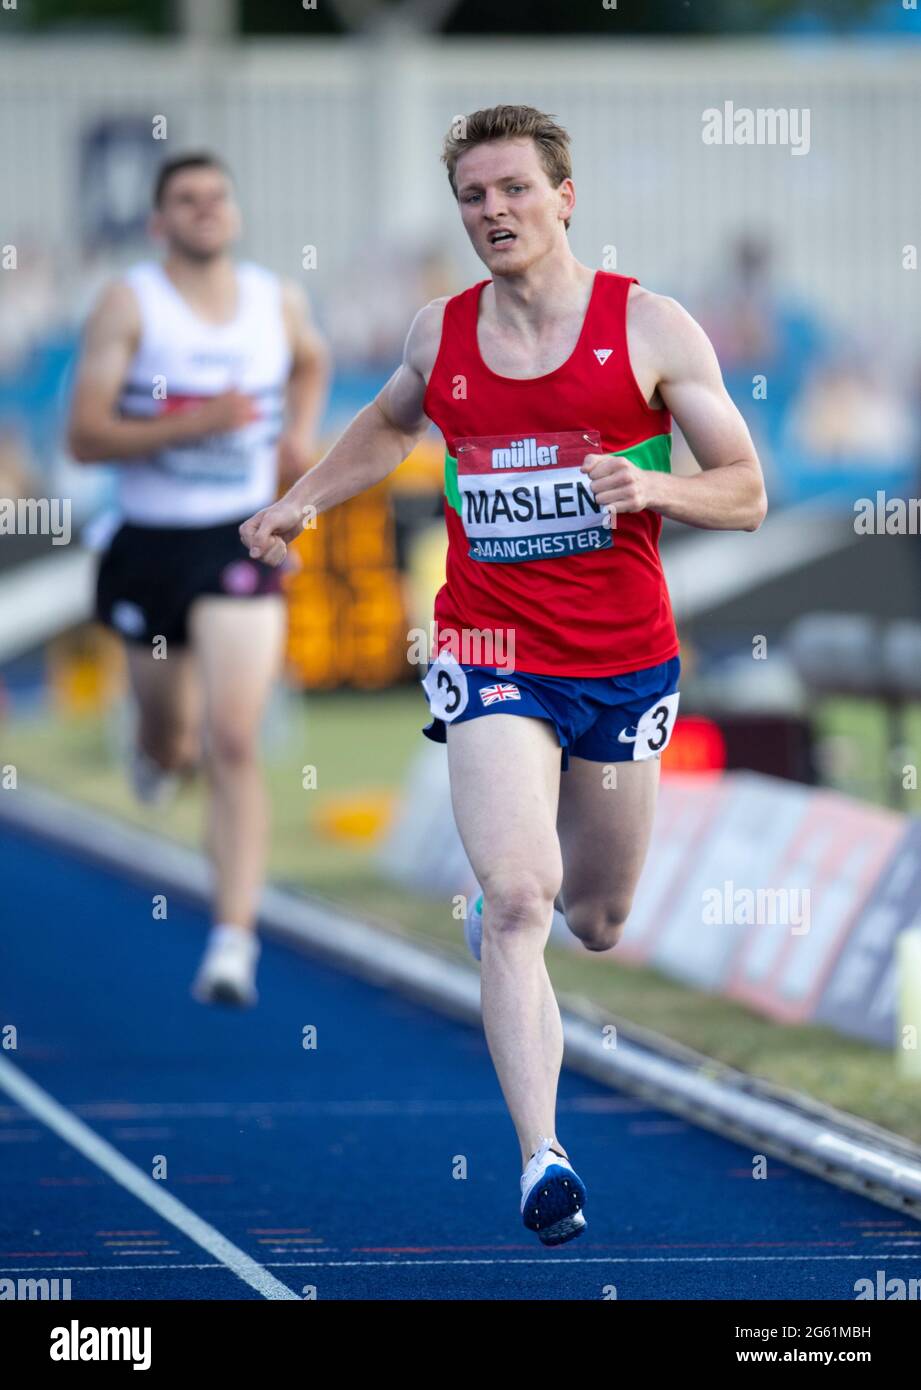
<point x="784" y="897"/>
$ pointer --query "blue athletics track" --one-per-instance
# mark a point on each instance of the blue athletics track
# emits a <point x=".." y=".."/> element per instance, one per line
<point x="332" y="1169"/>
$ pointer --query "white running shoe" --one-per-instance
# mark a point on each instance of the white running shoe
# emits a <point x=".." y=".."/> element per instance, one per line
<point x="151" y="784"/>
<point x="552" y="1196"/>
<point x="228" y="970"/>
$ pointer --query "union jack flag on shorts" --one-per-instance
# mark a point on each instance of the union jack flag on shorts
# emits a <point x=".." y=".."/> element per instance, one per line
<point x="503" y="691"/>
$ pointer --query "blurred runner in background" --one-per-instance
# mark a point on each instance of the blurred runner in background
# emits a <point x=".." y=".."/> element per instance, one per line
<point x="182" y="383"/>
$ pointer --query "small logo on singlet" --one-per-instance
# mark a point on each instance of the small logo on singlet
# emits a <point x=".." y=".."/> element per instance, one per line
<point x="602" y="354"/>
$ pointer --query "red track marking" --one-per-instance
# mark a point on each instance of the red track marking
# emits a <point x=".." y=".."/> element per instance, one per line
<point x="204" y="1177"/>
<point x="72" y="1182"/>
<point x="877" y="1224"/>
<point x="286" y="1241"/>
<point x="747" y="1172"/>
<point x="28" y="1254"/>
<point x="279" y="1230"/>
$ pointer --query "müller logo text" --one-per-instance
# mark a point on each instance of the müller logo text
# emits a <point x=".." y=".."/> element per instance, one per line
<point x="525" y="453"/>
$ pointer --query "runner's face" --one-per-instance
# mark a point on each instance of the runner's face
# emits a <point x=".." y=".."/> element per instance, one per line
<point x="502" y="187"/>
<point x="199" y="216"/>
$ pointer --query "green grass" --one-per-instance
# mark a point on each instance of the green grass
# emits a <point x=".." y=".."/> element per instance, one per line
<point x="858" y="735"/>
<point x="360" y="744"/>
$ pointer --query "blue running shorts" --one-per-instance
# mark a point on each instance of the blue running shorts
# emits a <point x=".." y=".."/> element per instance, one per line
<point x="606" y="719"/>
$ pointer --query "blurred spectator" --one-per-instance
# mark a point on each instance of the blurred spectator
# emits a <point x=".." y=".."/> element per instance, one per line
<point x="16" y="477"/>
<point x="759" y="333"/>
<point x="30" y="304"/>
<point x="850" y="413"/>
<point x="826" y="421"/>
<point x="753" y="327"/>
<point x="369" y="313"/>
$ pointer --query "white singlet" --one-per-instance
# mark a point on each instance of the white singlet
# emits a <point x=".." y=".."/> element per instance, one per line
<point x="182" y="360"/>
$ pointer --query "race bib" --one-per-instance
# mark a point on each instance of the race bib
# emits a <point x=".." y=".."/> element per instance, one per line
<point x="216" y="459"/>
<point x="445" y="685"/>
<point x="211" y="458"/>
<point x="526" y="498"/>
<point x="654" y="730"/>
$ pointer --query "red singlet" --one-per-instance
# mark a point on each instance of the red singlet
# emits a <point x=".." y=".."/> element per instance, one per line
<point x="529" y="550"/>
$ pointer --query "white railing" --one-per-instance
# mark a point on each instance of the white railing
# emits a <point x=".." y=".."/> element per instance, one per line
<point x="336" y="144"/>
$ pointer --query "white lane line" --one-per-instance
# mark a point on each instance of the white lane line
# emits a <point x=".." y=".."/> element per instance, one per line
<point x="530" y="1260"/>
<point x="99" y="1151"/>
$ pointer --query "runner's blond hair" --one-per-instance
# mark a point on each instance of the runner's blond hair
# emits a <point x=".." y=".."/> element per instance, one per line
<point x="510" y="123"/>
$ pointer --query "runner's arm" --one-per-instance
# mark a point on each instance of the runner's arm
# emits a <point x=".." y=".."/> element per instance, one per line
<point x="308" y="386"/>
<point x="374" y="444"/>
<point x="96" y="433"/>
<point x="728" y="493"/>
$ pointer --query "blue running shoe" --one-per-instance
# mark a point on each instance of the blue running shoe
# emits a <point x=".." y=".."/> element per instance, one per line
<point x="473" y="928"/>
<point x="552" y="1196"/>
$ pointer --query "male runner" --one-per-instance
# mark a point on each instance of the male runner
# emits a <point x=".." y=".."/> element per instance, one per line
<point x="182" y="382"/>
<point x="554" y="386"/>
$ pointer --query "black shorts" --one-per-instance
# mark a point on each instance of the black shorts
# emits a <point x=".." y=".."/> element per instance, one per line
<point x="151" y="575"/>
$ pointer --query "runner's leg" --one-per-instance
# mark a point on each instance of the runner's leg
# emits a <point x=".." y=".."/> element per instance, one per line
<point x="239" y="645"/>
<point x="505" y="774"/>
<point x="168" y="697"/>
<point x="604" y="833"/>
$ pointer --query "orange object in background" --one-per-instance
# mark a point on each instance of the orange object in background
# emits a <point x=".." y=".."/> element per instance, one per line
<point x="86" y="671"/>
<point x="697" y="745"/>
<point x="422" y="470"/>
<point x="346" y="613"/>
<point x="355" y="817"/>
<point x="349" y="602"/>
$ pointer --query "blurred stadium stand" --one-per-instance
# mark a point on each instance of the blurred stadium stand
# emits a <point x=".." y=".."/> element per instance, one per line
<point x="794" y="264"/>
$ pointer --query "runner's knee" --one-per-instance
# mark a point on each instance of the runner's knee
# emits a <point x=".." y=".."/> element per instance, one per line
<point x="231" y="745"/>
<point x="598" y="922"/>
<point x="173" y="749"/>
<point x="518" y="900"/>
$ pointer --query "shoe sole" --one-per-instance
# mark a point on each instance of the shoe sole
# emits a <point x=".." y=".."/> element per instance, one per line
<point x="223" y="994"/>
<point x="558" y="1215"/>
<point x="567" y="1229"/>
